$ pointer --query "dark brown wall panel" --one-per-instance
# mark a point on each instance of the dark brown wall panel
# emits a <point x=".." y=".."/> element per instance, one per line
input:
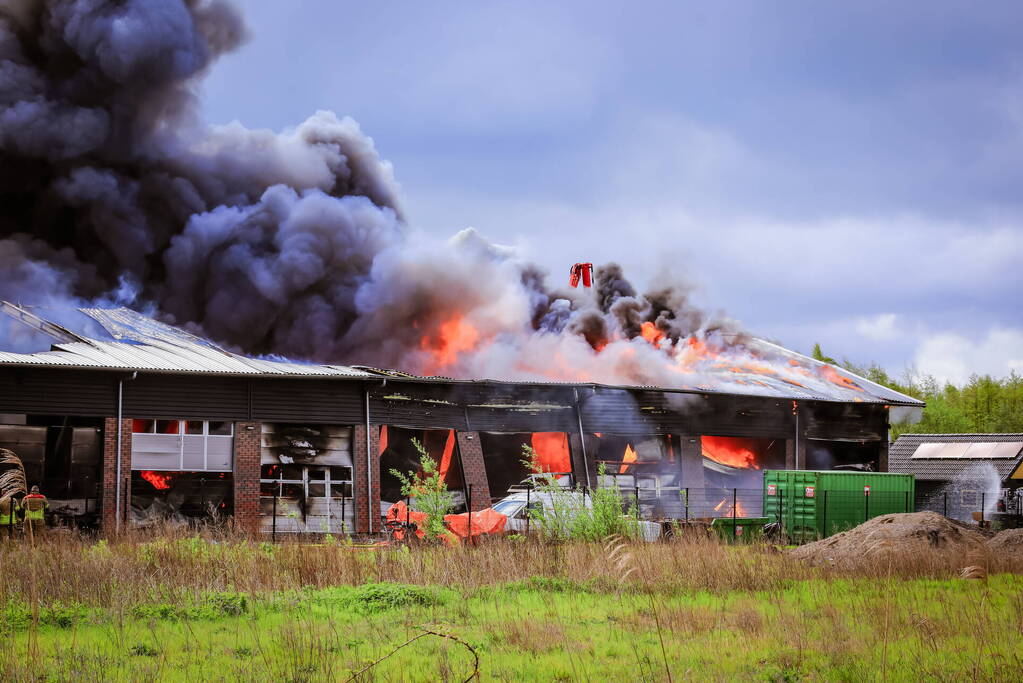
<point x="847" y="421"/>
<point x="187" y="397"/>
<point x="45" y="391"/>
<point x="486" y="419"/>
<point x="416" y="414"/>
<point x="745" y="416"/>
<point x="313" y="400"/>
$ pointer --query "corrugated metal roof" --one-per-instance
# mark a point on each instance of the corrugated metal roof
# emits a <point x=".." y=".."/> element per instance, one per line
<point x="166" y="358"/>
<point x="900" y="455"/>
<point x="142" y="343"/>
<point x="725" y="383"/>
<point x="148" y="345"/>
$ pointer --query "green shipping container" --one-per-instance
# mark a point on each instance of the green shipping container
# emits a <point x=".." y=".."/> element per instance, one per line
<point x="815" y="504"/>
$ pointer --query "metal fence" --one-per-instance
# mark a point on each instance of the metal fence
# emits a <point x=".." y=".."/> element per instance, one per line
<point x="790" y="515"/>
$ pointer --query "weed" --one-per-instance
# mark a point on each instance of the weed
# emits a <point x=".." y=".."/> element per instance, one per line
<point x="376" y="597"/>
<point x="143" y="650"/>
<point x="429" y="490"/>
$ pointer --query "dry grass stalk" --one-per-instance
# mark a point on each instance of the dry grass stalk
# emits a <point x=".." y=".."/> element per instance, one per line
<point x="12" y="480"/>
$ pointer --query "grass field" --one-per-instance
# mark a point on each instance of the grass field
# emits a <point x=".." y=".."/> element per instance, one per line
<point x="224" y="609"/>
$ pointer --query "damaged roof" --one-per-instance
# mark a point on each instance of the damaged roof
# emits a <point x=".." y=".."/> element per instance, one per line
<point x="137" y="342"/>
<point x="943" y="457"/>
<point x="123" y="339"/>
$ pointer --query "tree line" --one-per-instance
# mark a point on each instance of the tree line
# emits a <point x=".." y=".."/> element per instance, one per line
<point x="983" y="404"/>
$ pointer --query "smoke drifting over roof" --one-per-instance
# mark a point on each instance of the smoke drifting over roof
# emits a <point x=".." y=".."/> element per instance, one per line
<point x="291" y="243"/>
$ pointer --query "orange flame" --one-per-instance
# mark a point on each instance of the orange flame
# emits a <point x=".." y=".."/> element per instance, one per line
<point x="650" y="332"/>
<point x="727" y="511"/>
<point x="551" y="450"/>
<point x="627" y="459"/>
<point x="832" y="375"/>
<point x="445" y="459"/>
<point x="731" y="451"/>
<point x="454" y="337"/>
<point x="159" y="480"/>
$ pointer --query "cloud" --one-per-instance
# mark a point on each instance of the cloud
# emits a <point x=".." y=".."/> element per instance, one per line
<point x="880" y="327"/>
<point x="821" y="175"/>
<point x="951" y="357"/>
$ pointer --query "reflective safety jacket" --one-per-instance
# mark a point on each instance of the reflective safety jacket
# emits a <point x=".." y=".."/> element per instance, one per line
<point x="8" y="511"/>
<point x="35" y="504"/>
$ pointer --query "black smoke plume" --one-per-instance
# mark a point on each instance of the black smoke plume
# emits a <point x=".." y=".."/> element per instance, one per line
<point x="292" y="243"/>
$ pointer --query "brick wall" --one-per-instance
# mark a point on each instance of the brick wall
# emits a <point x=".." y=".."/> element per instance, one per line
<point x="471" y="453"/>
<point x="108" y="521"/>
<point x="247" y="437"/>
<point x="364" y="503"/>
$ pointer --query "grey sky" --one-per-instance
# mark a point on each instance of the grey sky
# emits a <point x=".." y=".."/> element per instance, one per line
<point x="845" y="174"/>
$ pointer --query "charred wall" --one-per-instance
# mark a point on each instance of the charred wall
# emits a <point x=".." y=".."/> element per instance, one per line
<point x="466" y="406"/>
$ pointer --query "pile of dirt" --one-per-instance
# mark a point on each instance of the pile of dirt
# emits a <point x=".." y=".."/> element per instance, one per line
<point x="902" y="539"/>
<point x="1008" y="542"/>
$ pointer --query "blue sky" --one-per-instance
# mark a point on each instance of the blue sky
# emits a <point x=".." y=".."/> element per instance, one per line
<point x="847" y="174"/>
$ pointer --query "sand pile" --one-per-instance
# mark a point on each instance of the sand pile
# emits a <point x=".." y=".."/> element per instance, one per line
<point x="909" y="540"/>
<point x="1008" y="542"/>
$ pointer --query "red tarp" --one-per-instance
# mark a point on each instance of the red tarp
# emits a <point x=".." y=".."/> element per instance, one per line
<point x="399" y="512"/>
<point x="484" y="522"/>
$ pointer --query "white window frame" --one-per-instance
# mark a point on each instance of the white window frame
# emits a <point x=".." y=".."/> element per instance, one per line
<point x="327" y="482"/>
<point x="180" y="436"/>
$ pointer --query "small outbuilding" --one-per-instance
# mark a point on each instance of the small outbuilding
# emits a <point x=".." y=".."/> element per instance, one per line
<point x="961" y="474"/>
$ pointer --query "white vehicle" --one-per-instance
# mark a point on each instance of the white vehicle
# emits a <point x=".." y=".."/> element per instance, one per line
<point x="559" y="506"/>
<point x="514" y="506"/>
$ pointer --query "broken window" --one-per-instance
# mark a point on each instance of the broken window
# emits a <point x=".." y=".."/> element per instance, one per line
<point x="306" y="477"/>
<point x="646" y="468"/>
<point x="398" y="453"/>
<point x="848" y="455"/>
<point x="180" y="497"/>
<point x="643" y="460"/>
<point x="505" y="460"/>
<point x="63" y="456"/>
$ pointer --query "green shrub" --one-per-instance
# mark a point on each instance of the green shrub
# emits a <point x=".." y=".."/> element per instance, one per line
<point x="162" y="612"/>
<point x="427" y="486"/>
<point x="63" y="616"/>
<point x="567" y="518"/>
<point x="377" y="597"/>
<point x="227" y="603"/>
<point x="143" y="650"/>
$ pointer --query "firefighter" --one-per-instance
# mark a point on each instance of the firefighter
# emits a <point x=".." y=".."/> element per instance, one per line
<point x="35" y="506"/>
<point x="9" y="511"/>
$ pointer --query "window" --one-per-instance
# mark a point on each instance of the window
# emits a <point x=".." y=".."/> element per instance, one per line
<point x="168" y="426"/>
<point x="307" y="481"/>
<point x="221" y="428"/>
<point x="142" y="426"/>
<point x="182" y="445"/>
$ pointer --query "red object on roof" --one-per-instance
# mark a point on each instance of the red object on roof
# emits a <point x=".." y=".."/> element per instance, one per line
<point x="583" y="271"/>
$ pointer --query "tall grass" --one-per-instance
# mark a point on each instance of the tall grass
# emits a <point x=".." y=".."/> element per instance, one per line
<point x="168" y="564"/>
<point x="165" y="604"/>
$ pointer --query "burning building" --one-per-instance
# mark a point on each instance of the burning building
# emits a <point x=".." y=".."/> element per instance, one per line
<point x="125" y="420"/>
<point x="295" y="245"/>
